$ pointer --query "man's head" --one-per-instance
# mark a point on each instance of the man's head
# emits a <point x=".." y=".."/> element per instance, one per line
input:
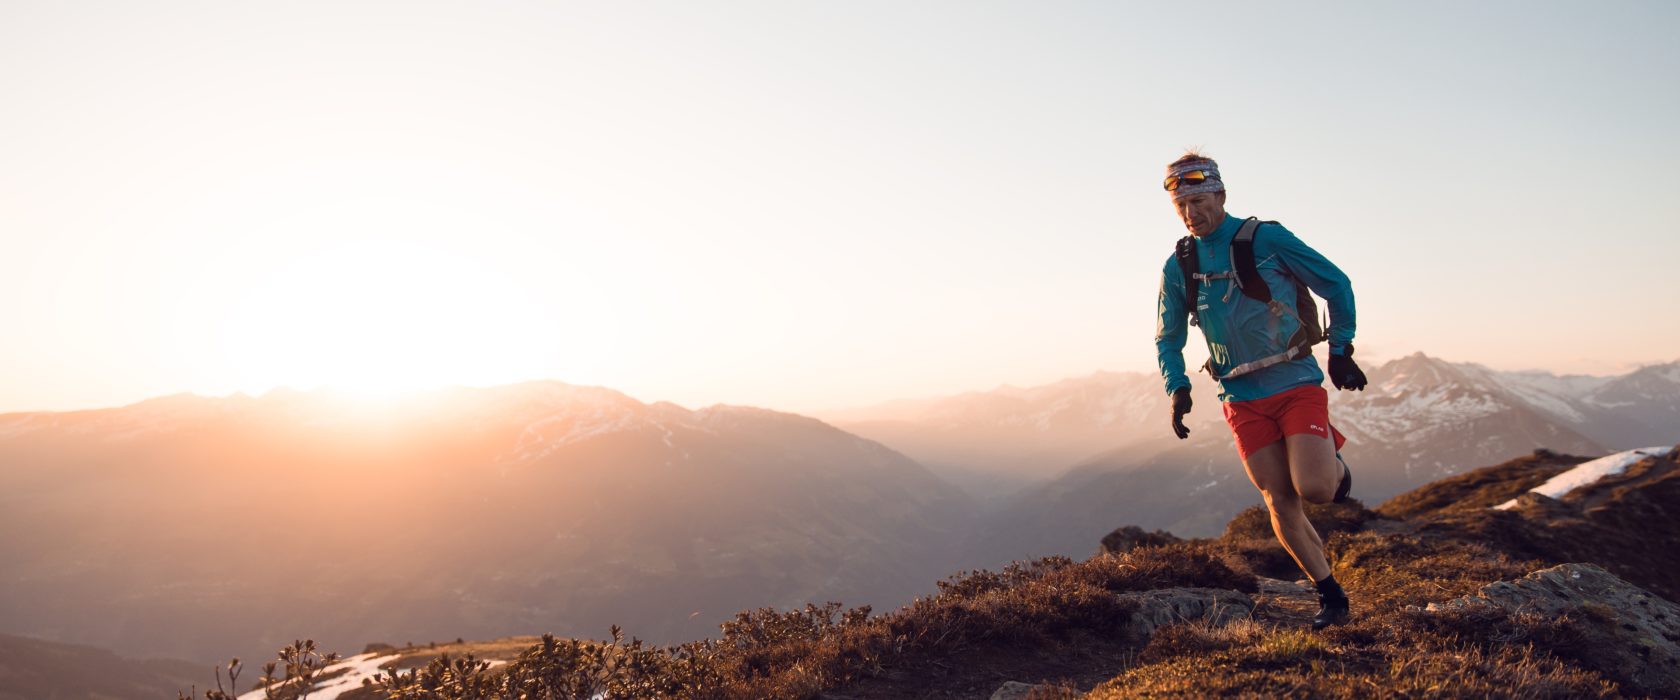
<point x="1197" y="191"/>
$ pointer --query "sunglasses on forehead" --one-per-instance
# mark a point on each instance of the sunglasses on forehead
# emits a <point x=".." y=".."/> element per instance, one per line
<point x="1189" y="177"/>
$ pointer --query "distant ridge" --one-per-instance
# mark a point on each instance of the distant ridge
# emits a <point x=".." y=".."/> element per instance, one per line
<point x="35" y="668"/>
<point x="1058" y="467"/>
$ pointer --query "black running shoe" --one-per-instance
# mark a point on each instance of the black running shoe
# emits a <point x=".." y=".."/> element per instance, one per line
<point x="1331" y="611"/>
<point x="1347" y="481"/>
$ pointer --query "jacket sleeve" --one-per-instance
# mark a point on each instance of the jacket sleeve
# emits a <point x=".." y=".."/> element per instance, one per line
<point x="1324" y="279"/>
<point x="1170" y="331"/>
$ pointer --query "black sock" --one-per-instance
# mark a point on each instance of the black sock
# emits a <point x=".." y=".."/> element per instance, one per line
<point x="1328" y="588"/>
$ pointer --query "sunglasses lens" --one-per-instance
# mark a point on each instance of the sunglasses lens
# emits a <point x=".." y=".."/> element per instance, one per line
<point x="1194" y="177"/>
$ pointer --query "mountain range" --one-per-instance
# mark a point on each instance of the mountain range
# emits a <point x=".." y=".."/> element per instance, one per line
<point x="199" y="528"/>
<point x="195" y="527"/>
<point x="1419" y="419"/>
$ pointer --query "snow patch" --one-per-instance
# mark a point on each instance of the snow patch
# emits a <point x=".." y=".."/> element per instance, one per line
<point x="1590" y="472"/>
<point x="355" y="669"/>
<point x="1411" y="415"/>
<point x="1547" y="402"/>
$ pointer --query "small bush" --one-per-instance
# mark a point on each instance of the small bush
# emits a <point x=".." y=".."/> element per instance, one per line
<point x="301" y="663"/>
<point x="1131" y="537"/>
<point x="1197" y="564"/>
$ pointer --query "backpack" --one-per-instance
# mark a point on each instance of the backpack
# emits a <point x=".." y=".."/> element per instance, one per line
<point x="1308" y="330"/>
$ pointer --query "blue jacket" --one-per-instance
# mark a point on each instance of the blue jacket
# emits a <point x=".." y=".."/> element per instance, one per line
<point x="1239" y="329"/>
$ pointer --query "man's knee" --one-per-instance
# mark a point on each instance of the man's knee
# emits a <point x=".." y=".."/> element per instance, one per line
<point x="1313" y="465"/>
<point x="1283" y="502"/>
<point x="1318" y="492"/>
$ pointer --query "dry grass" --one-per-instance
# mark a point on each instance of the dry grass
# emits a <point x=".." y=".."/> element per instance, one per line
<point x="1396" y="570"/>
<point x="1280" y="667"/>
<point x="1024" y="608"/>
<point x="503" y="649"/>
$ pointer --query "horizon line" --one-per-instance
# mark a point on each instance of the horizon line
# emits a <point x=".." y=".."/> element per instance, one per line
<point x="390" y="396"/>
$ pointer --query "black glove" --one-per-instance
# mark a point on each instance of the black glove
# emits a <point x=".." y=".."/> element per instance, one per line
<point x="1180" y="406"/>
<point x="1345" y="373"/>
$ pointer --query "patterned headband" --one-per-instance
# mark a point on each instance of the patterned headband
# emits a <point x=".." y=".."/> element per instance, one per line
<point x="1212" y="184"/>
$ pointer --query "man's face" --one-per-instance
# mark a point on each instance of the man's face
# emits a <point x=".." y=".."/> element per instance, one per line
<point x="1201" y="212"/>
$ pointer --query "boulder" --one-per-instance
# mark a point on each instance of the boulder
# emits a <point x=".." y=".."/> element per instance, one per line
<point x="1633" y="636"/>
<point x="1166" y="606"/>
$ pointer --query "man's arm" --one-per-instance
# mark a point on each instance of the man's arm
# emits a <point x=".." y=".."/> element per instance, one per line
<point x="1170" y="331"/>
<point x="1324" y="279"/>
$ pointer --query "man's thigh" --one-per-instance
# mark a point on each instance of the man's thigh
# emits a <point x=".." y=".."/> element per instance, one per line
<point x="1268" y="468"/>
<point x="1312" y="466"/>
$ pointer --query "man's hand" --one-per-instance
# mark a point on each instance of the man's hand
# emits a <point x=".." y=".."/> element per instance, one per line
<point x="1345" y="373"/>
<point x="1181" y="406"/>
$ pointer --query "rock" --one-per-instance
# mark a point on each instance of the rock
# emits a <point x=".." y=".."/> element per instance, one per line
<point x="1166" y="606"/>
<point x="1131" y="537"/>
<point x="1284" y="589"/>
<point x="1012" y="690"/>
<point x="1633" y="636"/>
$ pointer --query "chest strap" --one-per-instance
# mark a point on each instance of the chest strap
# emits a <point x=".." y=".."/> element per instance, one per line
<point x="1292" y="353"/>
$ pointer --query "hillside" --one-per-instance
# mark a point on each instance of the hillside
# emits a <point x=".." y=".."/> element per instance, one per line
<point x="31" y="669"/>
<point x="994" y="443"/>
<point x="1553" y="597"/>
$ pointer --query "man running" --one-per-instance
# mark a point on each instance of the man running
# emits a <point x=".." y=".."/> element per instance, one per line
<point x="1260" y="353"/>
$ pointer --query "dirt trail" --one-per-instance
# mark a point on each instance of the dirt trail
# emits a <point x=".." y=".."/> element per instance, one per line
<point x="1286" y="603"/>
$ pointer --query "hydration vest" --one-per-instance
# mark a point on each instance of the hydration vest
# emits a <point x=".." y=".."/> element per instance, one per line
<point x="1308" y="330"/>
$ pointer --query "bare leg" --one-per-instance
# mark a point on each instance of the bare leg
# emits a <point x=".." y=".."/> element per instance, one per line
<point x="1313" y="467"/>
<point x="1270" y="470"/>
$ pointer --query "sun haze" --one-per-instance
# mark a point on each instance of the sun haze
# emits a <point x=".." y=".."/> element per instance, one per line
<point x="798" y="205"/>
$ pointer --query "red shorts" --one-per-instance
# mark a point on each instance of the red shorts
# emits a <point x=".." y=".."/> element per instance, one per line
<point x="1261" y="422"/>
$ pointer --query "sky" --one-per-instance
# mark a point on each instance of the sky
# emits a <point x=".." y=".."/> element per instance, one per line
<point x="802" y="205"/>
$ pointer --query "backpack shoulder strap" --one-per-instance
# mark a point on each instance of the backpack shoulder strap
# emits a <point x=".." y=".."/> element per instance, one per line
<point x="1188" y="264"/>
<point x="1242" y="261"/>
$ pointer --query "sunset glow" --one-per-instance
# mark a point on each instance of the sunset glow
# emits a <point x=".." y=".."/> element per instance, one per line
<point x="805" y="206"/>
<point x="377" y="316"/>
